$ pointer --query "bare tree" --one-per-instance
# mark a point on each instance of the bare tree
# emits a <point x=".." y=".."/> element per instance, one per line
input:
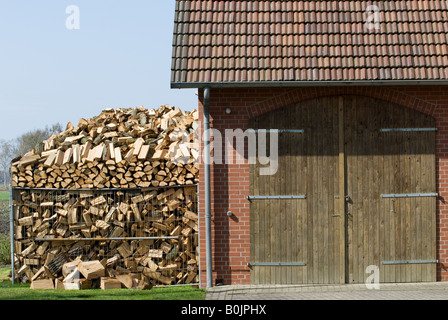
<point x="21" y="145"/>
<point x="8" y="150"/>
<point x="32" y="139"/>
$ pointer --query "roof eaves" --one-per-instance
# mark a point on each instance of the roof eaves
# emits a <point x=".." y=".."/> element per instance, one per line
<point x="264" y="84"/>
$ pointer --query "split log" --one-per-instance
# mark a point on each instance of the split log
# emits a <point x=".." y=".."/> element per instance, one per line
<point x="91" y="269"/>
<point x="44" y="284"/>
<point x="110" y="283"/>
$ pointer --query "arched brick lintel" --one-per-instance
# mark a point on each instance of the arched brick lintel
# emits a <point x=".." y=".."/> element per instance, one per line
<point x="390" y="94"/>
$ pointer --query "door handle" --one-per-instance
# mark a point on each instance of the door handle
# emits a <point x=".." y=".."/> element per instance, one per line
<point x="347" y="198"/>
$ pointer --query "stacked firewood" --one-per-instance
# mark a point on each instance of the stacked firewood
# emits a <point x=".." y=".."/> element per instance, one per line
<point x="114" y="193"/>
<point x="123" y="148"/>
<point x="146" y="238"/>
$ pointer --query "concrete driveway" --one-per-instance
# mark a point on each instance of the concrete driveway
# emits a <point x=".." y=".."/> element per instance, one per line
<point x="389" y="291"/>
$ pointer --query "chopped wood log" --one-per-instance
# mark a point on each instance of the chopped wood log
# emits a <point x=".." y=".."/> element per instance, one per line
<point x="73" y="276"/>
<point x="56" y="264"/>
<point x="191" y="215"/>
<point x="97" y="201"/>
<point x="31" y="262"/>
<point x="154" y="253"/>
<point x="44" y="284"/>
<point x="23" y="269"/>
<point x="126" y="279"/>
<point x="69" y="267"/>
<point x="110" y="283"/>
<point x="27" y="221"/>
<point x="91" y="269"/>
<point x="58" y="284"/>
<point x="85" y="284"/>
<point x="72" y="285"/>
<point x="40" y="272"/>
<point x="29" y="249"/>
<point x="161" y="278"/>
<point x="142" y="285"/>
<point x="124" y="250"/>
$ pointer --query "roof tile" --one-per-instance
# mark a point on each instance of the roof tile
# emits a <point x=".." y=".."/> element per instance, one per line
<point x="232" y="41"/>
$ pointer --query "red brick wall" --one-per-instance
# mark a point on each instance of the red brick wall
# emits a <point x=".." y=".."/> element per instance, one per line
<point x="230" y="183"/>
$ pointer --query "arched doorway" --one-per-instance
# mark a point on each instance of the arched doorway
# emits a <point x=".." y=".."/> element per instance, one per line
<point x="355" y="187"/>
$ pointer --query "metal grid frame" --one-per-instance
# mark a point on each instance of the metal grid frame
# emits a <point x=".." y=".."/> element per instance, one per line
<point x="150" y="223"/>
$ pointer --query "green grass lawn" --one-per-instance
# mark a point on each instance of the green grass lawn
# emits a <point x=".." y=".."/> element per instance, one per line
<point x="23" y="292"/>
<point x="4" y="272"/>
<point x="4" y="195"/>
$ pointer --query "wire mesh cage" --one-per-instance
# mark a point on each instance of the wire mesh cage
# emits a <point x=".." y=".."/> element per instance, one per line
<point x="149" y="234"/>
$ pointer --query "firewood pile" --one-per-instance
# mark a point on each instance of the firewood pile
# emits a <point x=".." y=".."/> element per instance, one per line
<point x="109" y="203"/>
<point x="123" y="148"/>
<point x="147" y="238"/>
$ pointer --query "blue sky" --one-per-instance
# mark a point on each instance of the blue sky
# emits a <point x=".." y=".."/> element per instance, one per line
<point x="120" y="57"/>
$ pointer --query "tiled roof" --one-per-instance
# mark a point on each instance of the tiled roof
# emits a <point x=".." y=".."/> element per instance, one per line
<point x="310" y="41"/>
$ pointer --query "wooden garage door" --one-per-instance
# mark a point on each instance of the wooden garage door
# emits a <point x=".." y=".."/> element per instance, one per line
<point x="355" y="187"/>
<point x="390" y="164"/>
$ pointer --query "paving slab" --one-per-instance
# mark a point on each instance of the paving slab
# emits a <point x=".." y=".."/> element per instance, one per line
<point x="386" y="291"/>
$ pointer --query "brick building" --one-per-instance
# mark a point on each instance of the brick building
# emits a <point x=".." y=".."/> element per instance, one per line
<point x="359" y="95"/>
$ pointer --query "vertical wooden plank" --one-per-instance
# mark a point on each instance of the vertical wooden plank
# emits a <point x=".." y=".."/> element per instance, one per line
<point x="324" y="173"/>
<point x="342" y="192"/>
<point x="407" y="208"/>
<point x="349" y="120"/>
<point x="291" y="176"/>
<point x="271" y="187"/>
<point x="384" y="207"/>
<point x="295" y="176"/>
<point x="263" y="238"/>
<point x="275" y="216"/>
<point x="373" y="112"/>
<point x="334" y="238"/>
<point x="306" y="204"/>
<point x="253" y="215"/>
<point x="394" y="188"/>
<point x="271" y="216"/>
<point x="388" y="214"/>
<point x="397" y="212"/>
<point x="375" y="194"/>
<point x="417" y="215"/>
<point x="432" y="210"/>
<point x="357" y="214"/>
<point x="366" y="187"/>
<point x="255" y="237"/>
<point x="284" y="238"/>
<point x="382" y="248"/>
<point x="317" y="214"/>
<point x="264" y="213"/>
<point x="302" y="205"/>
<point x="419" y="187"/>
<point x="291" y="215"/>
<point x="300" y="209"/>
<point x="334" y="222"/>
<point x="429" y="217"/>
<point x="322" y="211"/>
<point x="432" y="207"/>
<point x="285" y="189"/>
<point x="311" y="201"/>
<point x="414" y="173"/>
<point x="330" y="180"/>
